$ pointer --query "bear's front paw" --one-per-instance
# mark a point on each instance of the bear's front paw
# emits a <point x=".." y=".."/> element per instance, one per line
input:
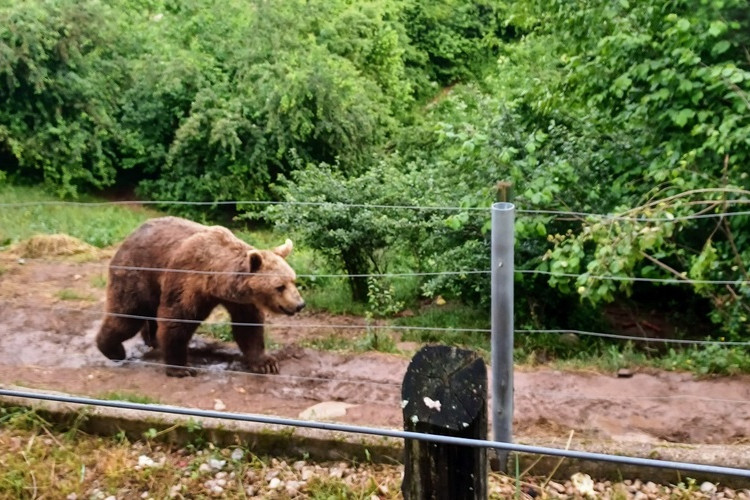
<point x="264" y="363"/>
<point x="181" y="371"/>
<point x="114" y="351"/>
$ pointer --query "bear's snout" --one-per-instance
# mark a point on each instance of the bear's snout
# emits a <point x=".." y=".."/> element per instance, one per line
<point x="291" y="310"/>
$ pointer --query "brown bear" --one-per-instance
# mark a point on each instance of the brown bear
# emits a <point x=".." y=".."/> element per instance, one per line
<point x="196" y="268"/>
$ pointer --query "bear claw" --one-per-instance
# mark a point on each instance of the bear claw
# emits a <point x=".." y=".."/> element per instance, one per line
<point x="265" y="364"/>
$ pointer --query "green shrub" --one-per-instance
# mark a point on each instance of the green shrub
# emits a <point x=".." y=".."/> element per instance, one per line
<point x="60" y="74"/>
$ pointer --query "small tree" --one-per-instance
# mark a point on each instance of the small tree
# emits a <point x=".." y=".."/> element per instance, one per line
<point x="348" y="222"/>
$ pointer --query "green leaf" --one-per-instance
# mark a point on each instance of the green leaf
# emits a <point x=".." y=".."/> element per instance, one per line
<point x="717" y="28"/>
<point x="681" y="117"/>
<point x="683" y="24"/>
<point x="720" y="47"/>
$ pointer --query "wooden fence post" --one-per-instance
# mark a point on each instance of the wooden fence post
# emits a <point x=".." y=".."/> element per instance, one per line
<point x="445" y="392"/>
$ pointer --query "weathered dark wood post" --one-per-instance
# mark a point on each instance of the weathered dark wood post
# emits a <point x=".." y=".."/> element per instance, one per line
<point x="445" y="392"/>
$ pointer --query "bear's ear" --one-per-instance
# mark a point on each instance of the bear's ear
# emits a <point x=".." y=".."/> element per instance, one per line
<point x="284" y="250"/>
<point x="254" y="260"/>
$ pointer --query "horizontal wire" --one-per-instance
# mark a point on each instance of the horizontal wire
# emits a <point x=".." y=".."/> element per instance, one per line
<point x="547" y="394"/>
<point x="239" y="202"/>
<point x="692" y="397"/>
<point x="625" y="218"/>
<point x="402" y="328"/>
<point x="339" y="275"/>
<point x="282" y="376"/>
<point x="674" y="281"/>
<point x="266" y="325"/>
<point x="390" y="384"/>
<point x="685" y="281"/>
<point x="376" y="431"/>
<point x="292" y="325"/>
<point x="270" y="376"/>
<point x="563" y="213"/>
<point x="642" y="339"/>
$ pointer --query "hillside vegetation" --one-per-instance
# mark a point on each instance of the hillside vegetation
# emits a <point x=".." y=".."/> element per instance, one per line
<point x="635" y="109"/>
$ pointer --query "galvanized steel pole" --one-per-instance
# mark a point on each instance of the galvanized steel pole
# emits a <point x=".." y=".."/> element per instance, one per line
<point x="503" y="217"/>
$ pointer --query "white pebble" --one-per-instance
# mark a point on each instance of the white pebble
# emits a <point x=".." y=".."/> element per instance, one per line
<point x="216" y="464"/>
<point x="708" y="488"/>
<point x="274" y="483"/>
<point x="237" y="454"/>
<point x="292" y="487"/>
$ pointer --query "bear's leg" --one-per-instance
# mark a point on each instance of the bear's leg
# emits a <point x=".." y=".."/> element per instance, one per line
<point x="148" y="332"/>
<point x="173" y="339"/>
<point x="114" y="331"/>
<point x="250" y="339"/>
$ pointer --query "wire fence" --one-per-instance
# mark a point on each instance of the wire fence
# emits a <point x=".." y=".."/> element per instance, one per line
<point x="284" y="379"/>
<point x="531" y="212"/>
<point x="688" y="467"/>
<point x="465" y="272"/>
<point x="392" y="327"/>
<point x="389" y="433"/>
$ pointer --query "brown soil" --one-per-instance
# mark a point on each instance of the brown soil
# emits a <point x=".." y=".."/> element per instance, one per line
<point x="46" y="342"/>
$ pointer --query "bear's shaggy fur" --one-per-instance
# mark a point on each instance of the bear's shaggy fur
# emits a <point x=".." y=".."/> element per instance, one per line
<point x="196" y="268"/>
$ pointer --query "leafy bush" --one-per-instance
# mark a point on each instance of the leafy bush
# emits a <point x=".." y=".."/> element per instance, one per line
<point x="451" y="40"/>
<point x="345" y="219"/>
<point x="60" y="74"/>
<point x="673" y="77"/>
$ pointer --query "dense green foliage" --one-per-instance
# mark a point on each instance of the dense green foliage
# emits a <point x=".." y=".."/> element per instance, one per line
<point x="639" y="110"/>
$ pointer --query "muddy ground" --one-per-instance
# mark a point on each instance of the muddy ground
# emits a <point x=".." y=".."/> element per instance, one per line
<point x="50" y="311"/>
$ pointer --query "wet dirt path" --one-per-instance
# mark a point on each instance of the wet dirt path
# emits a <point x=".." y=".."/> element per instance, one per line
<point x="51" y="310"/>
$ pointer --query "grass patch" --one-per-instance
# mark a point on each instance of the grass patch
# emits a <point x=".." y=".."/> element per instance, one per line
<point x="600" y="355"/>
<point x="70" y="294"/>
<point x="100" y="226"/>
<point x="330" y="342"/>
<point x="223" y="332"/>
<point x="321" y="488"/>
<point x="99" y="281"/>
<point x="219" y="331"/>
<point x="45" y="460"/>
<point x="450" y="315"/>
<point x="608" y="359"/>
<point x="332" y="295"/>
<point x="127" y="396"/>
<point x="712" y="359"/>
<point x="374" y="340"/>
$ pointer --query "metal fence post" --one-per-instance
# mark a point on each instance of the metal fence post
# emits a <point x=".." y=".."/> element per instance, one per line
<point x="503" y="216"/>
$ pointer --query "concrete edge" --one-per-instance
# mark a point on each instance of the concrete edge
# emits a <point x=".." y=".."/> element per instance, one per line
<point x="265" y="439"/>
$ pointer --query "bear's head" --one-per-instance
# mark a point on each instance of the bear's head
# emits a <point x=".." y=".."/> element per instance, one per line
<point x="271" y="280"/>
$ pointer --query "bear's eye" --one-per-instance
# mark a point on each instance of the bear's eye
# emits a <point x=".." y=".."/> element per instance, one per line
<point x="280" y="288"/>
